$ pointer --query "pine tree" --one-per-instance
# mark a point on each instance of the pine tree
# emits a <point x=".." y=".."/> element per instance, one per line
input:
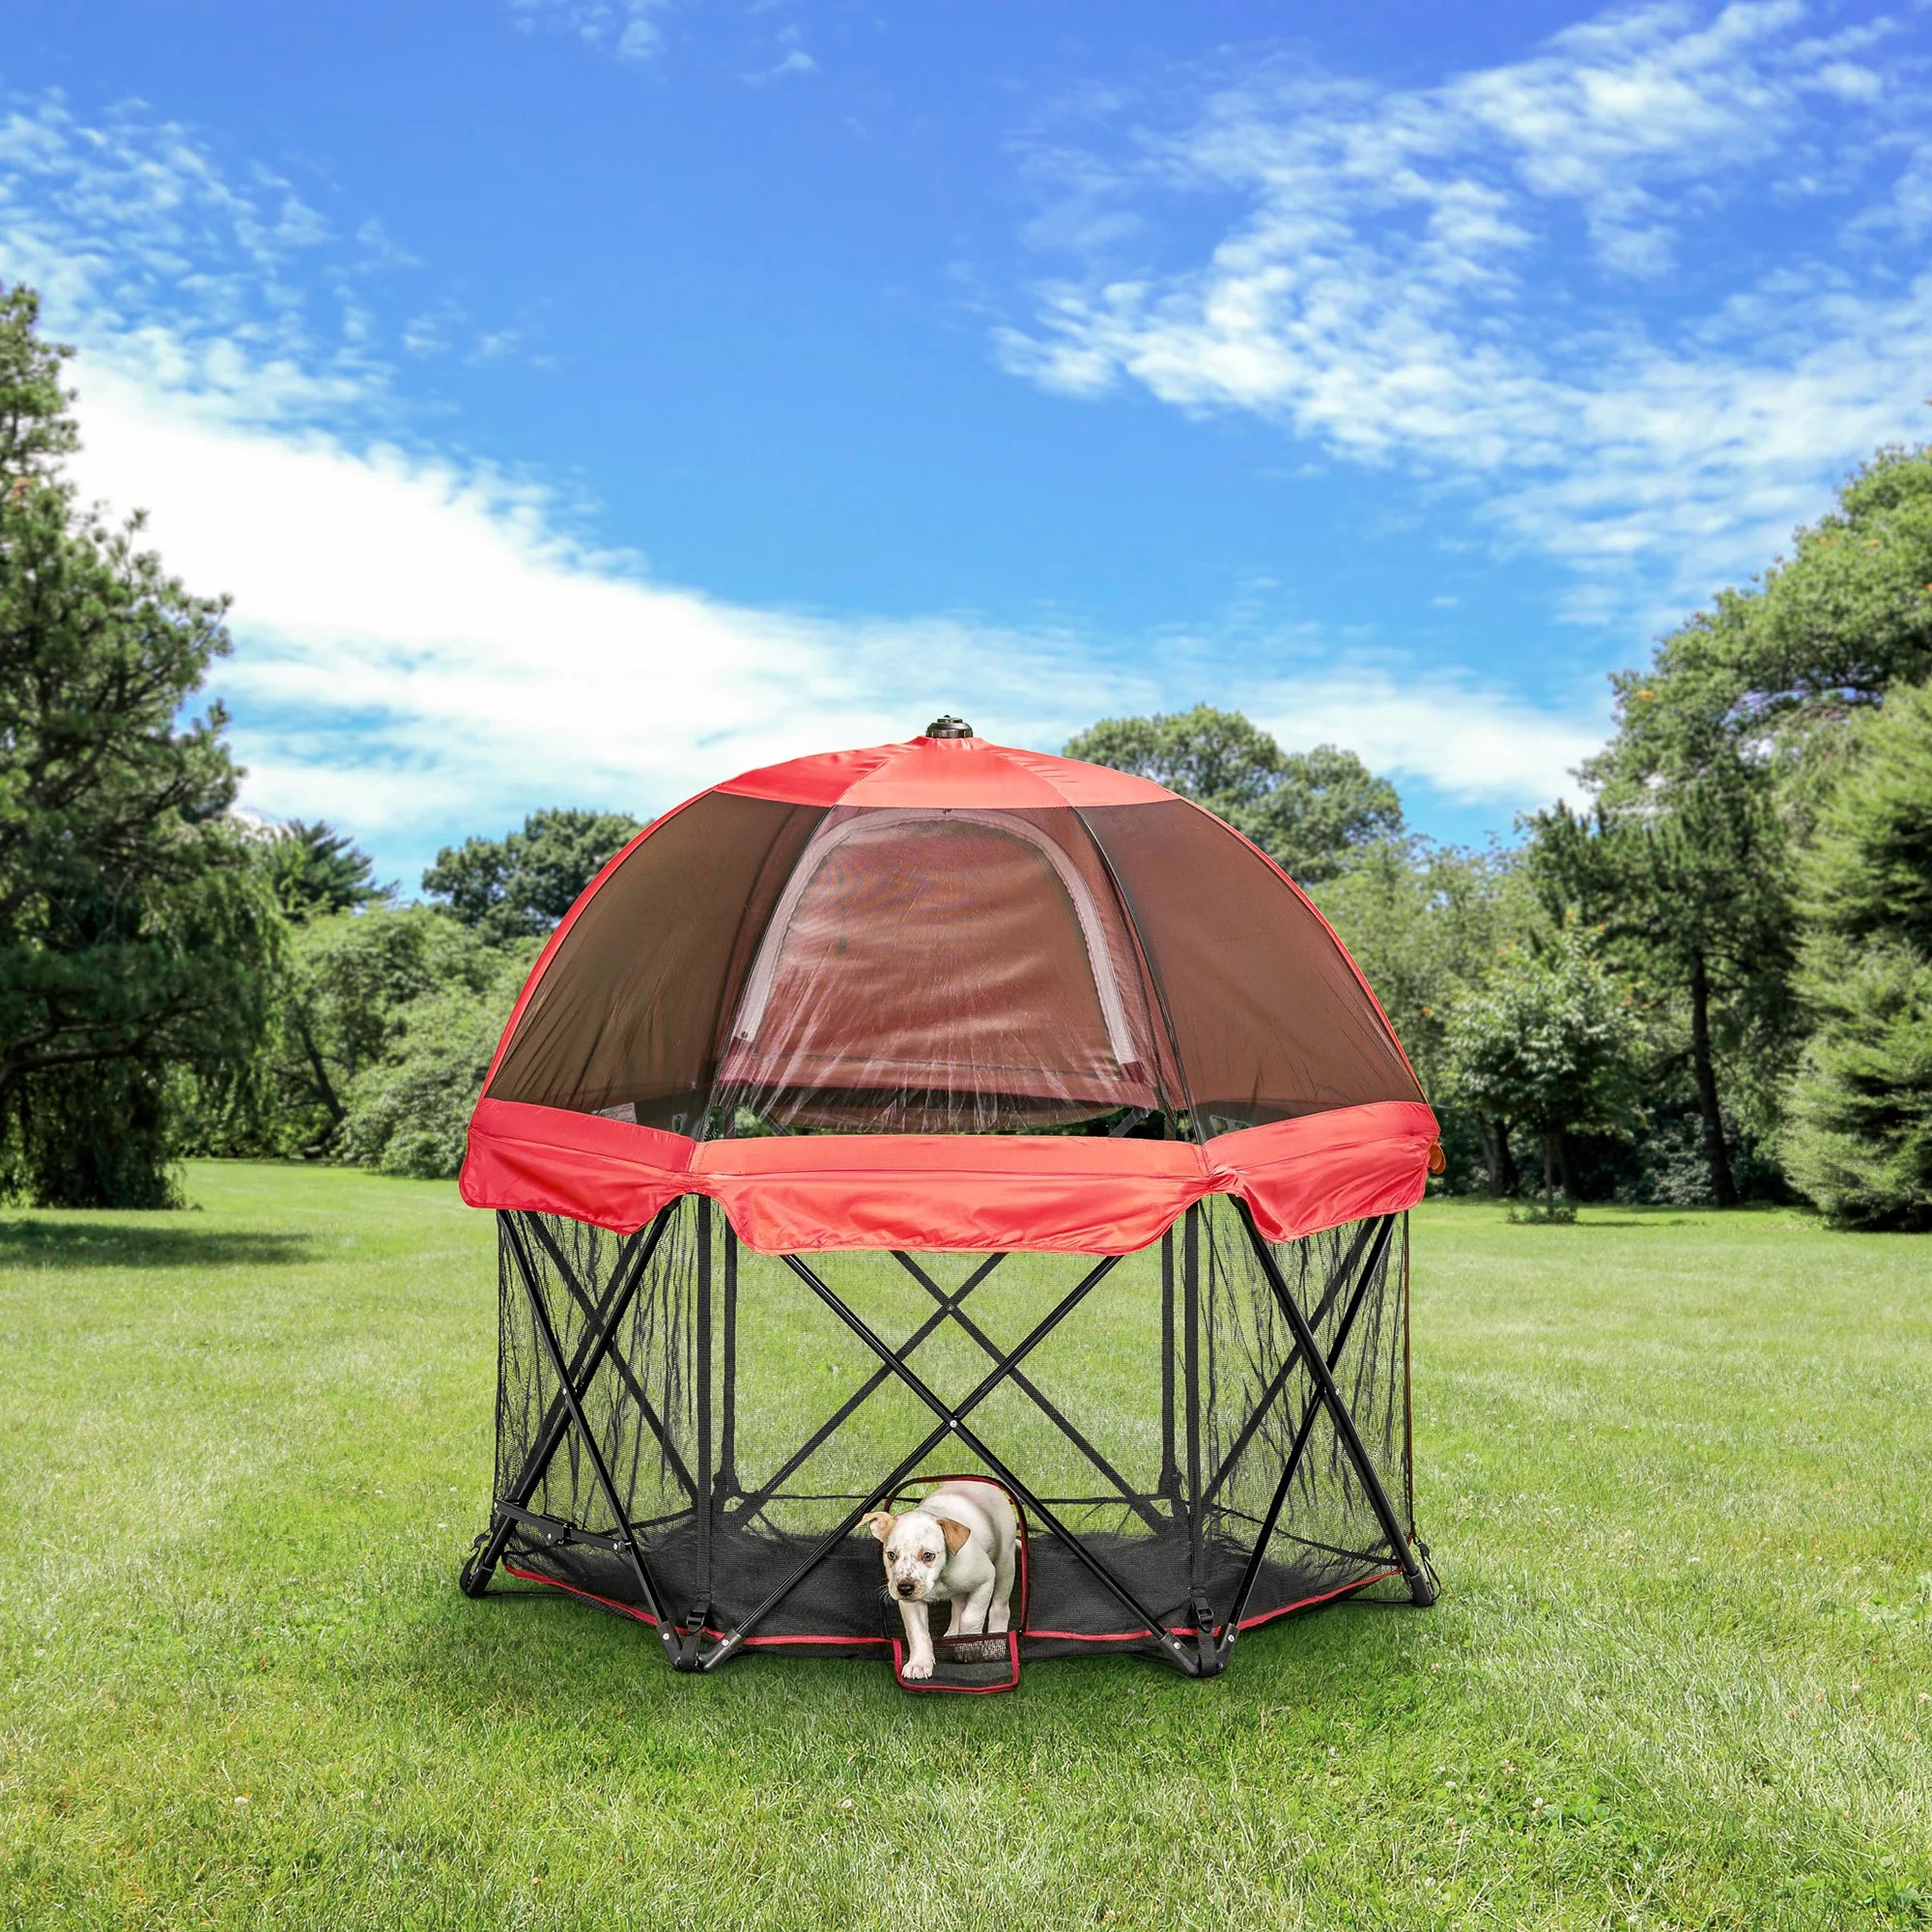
<point x="1860" y="1140"/>
<point x="315" y="869"/>
<point x="1689" y="881"/>
<point x="137" y="933"/>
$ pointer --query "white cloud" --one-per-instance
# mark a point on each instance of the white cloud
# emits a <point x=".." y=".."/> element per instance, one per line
<point x="1488" y="280"/>
<point x="137" y="239"/>
<point x="428" y="334"/>
<point x="423" y="648"/>
<point x="496" y="343"/>
<point x="1472" y="743"/>
<point x="795" y="60"/>
<point x="421" y="645"/>
<point x="630" y="28"/>
<point x="407" y="622"/>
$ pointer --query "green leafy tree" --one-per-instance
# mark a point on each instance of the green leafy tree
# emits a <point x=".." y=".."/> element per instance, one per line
<point x="1823" y="635"/>
<point x="355" y="980"/>
<point x="103" y="1135"/>
<point x="1689" y="881"/>
<point x="408" y="1113"/>
<point x="1424" y="923"/>
<point x="315" y="869"/>
<point x="1726" y="748"/>
<point x="512" y="887"/>
<point x="137" y="933"/>
<point x="1860" y="1140"/>
<point x="1549" y="1038"/>
<point x="1313" y="812"/>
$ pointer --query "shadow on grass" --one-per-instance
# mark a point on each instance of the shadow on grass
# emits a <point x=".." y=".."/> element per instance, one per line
<point x="68" y="1244"/>
<point x="1579" y="1224"/>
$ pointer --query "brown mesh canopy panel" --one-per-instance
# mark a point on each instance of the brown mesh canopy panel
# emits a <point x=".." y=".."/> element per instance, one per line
<point x="1271" y="1018"/>
<point x="629" y="1015"/>
<point x="755" y="966"/>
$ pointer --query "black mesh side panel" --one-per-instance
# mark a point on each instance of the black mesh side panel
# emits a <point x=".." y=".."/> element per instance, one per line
<point x="1260" y="1400"/>
<point x="639" y="1402"/>
<point x="743" y="1421"/>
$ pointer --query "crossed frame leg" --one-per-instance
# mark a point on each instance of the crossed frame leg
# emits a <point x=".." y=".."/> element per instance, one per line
<point x="594" y="1344"/>
<point x="625" y="1537"/>
<point x="1421" y="1589"/>
<point x="1231" y="1629"/>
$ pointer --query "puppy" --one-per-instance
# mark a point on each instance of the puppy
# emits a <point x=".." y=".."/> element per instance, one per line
<point x="959" y="1547"/>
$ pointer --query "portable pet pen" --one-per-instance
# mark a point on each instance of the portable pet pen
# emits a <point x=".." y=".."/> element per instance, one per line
<point x="935" y="1108"/>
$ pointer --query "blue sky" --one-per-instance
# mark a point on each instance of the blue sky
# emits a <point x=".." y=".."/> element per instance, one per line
<point x="584" y="399"/>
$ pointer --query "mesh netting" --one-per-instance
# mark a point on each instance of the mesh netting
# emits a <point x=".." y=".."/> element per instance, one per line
<point x="1144" y="1410"/>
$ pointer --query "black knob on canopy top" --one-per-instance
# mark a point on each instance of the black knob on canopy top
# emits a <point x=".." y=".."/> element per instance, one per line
<point x="948" y="726"/>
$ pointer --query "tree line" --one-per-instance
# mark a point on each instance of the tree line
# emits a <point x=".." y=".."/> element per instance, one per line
<point x="1713" y="985"/>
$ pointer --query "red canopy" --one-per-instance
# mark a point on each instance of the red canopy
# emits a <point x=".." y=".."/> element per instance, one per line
<point x="947" y="995"/>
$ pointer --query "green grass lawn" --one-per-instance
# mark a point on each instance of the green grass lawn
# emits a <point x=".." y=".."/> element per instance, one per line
<point x="1673" y="1467"/>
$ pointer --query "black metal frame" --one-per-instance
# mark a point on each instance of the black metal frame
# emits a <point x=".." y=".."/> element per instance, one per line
<point x="1194" y="1639"/>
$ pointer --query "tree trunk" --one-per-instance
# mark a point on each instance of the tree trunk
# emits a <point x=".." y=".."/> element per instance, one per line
<point x="1504" y="1179"/>
<point x="1550" y="1136"/>
<point x="1724" y="1185"/>
<point x="325" y="1093"/>
<point x="1566" y="1164"/>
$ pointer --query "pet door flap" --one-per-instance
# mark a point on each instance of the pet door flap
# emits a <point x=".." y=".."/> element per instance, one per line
<point x="963" y="1663"/>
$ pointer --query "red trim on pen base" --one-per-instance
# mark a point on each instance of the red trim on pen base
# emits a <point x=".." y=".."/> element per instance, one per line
<point x="896" y="1644"/>
<point x="643" y="1616"/>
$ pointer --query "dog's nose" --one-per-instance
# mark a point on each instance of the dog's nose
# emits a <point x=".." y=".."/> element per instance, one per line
<point x="906" y="1589"/>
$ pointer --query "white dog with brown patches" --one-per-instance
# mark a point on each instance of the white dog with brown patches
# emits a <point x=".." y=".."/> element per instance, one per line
<point x="959" y="1547"/>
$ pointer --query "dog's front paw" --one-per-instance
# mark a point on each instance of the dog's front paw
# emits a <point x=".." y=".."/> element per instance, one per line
<point x="918" y="1668"/>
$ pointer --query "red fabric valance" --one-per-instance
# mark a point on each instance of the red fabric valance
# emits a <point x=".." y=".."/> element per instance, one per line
<point x="1056" y="1192"/>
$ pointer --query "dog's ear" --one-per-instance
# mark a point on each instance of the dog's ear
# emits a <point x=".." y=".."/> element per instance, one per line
<point x="955" y="1534"/>
<point x="880" y="1523"/>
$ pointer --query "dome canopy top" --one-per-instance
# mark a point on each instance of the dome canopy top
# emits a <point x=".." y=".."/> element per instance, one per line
<point x="947" y="994"/>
